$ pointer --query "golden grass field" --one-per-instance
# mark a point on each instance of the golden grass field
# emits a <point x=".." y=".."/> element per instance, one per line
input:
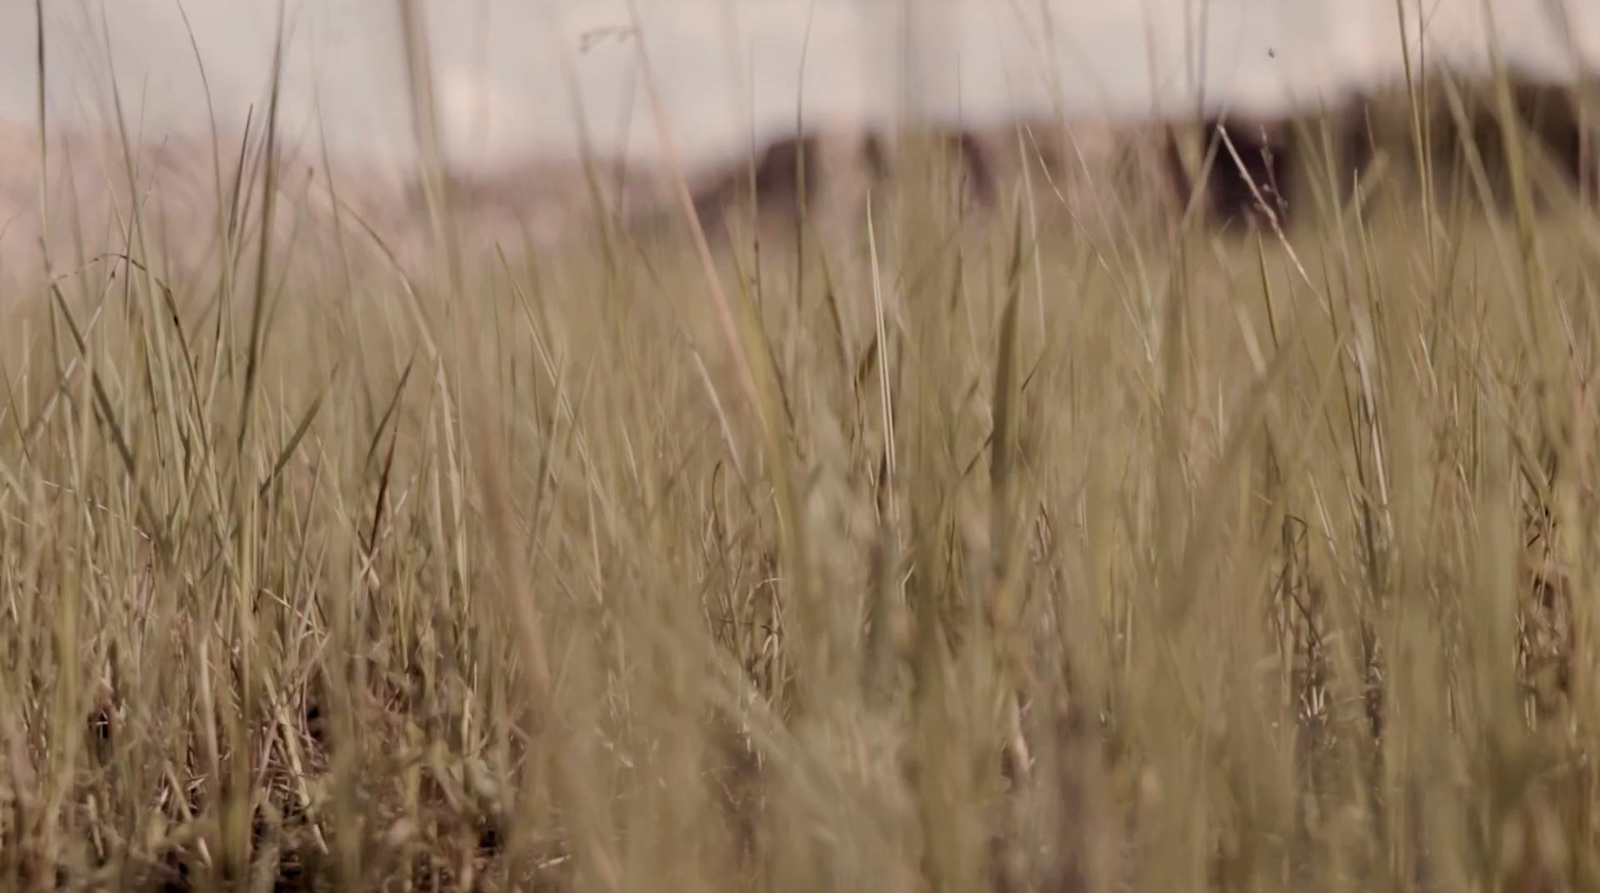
<point x="1015" y="560"/>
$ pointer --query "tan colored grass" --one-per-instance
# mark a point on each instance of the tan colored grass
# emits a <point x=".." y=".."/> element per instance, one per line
<point x="1013" y="560"/>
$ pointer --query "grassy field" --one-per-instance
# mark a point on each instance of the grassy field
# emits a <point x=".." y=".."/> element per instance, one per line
<point x="1012" y="561"/>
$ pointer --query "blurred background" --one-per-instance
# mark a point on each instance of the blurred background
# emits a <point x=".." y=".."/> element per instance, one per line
<point x="726" y="67"/>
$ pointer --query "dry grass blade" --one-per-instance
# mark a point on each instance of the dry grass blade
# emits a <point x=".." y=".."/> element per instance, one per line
<point x="264" y="258"/>
<point x="749" y="349"/>
<point x="119" y="439"/>
<point x="292" y="444"/>
<point x="388" y="413"/>
<point x="568" y="779"/>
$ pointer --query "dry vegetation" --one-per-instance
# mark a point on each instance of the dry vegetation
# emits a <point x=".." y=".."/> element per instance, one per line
<point x="983" y="563"/>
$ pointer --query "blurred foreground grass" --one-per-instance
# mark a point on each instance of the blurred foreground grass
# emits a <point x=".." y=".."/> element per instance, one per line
<point x="1013" y="561"/>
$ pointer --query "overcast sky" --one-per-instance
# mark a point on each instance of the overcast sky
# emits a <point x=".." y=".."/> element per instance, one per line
<point x="724" y="65"/>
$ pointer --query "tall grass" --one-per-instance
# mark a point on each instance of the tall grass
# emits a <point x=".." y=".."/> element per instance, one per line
<point x="647" y="567"/>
